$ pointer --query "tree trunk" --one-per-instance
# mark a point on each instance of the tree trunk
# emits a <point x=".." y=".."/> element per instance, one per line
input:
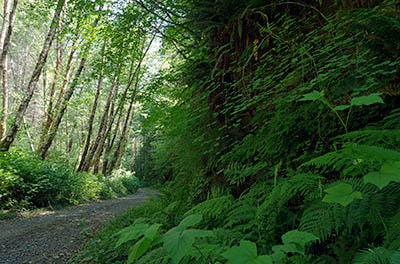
<point x="28" y="135"/>
<point x="16" y="122"/>
<point x="110" y="141"/>
<point x="49" y="112"/>
<point x="6" y="20"/>
<point x="67" y="96"/>
<point x="100" y="149"/>
<point x="123" y="137"/>
<point x="52" y="112"/>
<point x="91" y="119"/>
<point x="53" y="130"/>
<point x="100" y="134"/>
<point x="5" y="39"/>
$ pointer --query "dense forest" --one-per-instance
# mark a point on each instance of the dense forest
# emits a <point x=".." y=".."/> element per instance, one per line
<point x="271" y="129"/>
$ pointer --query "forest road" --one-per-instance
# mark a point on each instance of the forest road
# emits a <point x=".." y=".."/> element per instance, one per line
<point x="53" y="236"/>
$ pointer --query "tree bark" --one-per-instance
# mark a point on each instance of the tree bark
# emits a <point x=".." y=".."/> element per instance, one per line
<point x="28" y="135"/>
<point x="100" y="149"/>
<point x="123" y="137"/>
<point x="53" y="130"/>
<point x="52" y="111"/>
<point x="91" y="118"/>
<point x="67" y="96"/>
<point x="6" y="20"/>
<point x="98" y="144"/>
<point x="49" y="112"/>
<point x="16" y="122"/>
<point x="5" y="39"/>
<point x="110" y="141"/>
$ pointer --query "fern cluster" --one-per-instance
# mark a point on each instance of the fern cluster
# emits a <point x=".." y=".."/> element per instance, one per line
<point x="286" y="127"/>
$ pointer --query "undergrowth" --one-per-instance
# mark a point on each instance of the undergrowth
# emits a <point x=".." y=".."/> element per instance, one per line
<point x="29" y="182"/>
<point x="284" y="146"/>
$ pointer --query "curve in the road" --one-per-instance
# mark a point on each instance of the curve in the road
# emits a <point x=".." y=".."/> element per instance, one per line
<point x="53" y="237"/>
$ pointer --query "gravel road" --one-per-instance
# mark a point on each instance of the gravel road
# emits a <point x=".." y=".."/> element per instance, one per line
<point x="53" y="236"/>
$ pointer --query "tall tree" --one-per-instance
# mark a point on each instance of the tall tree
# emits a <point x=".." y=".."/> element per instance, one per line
<point x="6" y="142"/>
<point x="93" y="112"/>
<point x="52" y="108"/>
<point x="123" y="136"/>
<point x="68" y="94"/>
<point x="5" y="39"/>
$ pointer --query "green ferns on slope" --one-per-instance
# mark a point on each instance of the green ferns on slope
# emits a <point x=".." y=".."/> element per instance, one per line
<point x="288" y="125"/>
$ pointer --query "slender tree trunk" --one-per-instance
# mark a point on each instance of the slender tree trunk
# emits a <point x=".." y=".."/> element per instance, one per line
<point x="6" y="20"/>
<point x="16" y="122"/>
<point x="5" y="39"/>
<point x="91" y="119"/>
<point x="53" y="130"/>
<point x="28" y="135"/>
<point x="67" y="96"/>
<point x="100" y="149"/>
<point x="123" y="137"/>
<point x="49" y="112"/>
<point x="110" y="141"/>
<point x="69" y="140"/>
<point x="99" y="141"/>
<point x="52" y="111"/>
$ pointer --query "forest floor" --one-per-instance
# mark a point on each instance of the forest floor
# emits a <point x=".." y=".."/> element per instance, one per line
<point x="54" y="236"/>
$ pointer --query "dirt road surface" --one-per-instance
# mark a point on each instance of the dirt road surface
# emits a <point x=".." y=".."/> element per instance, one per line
<point x="53" y="236"/>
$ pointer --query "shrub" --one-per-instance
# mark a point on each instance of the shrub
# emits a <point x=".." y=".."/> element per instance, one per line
<point x="120" y="183"/>
<point x="26" y="180"/>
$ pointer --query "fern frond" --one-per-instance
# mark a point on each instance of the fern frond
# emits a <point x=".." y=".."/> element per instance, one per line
<point x="395" y="259"/>
<point x="323" y="219"/>
<point x="213" y="210"/>
<point x="354" y="160"/>
<point x="392" y="120"/>
<point x="373" y="256"/>
<point x="392" y="239"/>
<point x="389" y="138"/>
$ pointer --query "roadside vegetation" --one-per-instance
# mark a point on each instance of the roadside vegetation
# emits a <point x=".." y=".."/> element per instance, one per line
<point x="279" y="144"/>
<point x="27" y="182"/>
<point x="271" y="128"/>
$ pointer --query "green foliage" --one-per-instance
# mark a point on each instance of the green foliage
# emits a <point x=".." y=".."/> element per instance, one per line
<point x="341" y="193"/>
<point x="120" y="183"/>
<point x="246" y="252"/>
<point x="375" y="256"/>
<point x="28" y="181"/>
<point x="31" y="181"/>
<point x="179" y="240"/>
<point x="282" y="132"/>
<point x="389" y="172"/>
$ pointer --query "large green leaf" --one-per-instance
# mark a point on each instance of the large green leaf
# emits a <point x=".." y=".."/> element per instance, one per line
<point x="367" y="100"/>
<point x="132" y="232"/>
<point x="140" y="247"/>
<point x="341" y="107"/>
<point x="341" y="193"/>
<point x="298" y="237"/>
<point x="245" y="253"/>
<point x="191" y="220"/>
<point x="294" y="242"/>
<point x="178" y="242"/>
<point x="315" y="95"/>
<point x="289" y="248"/>
<point x="137" y="250"/>
<point x="389" y="172"/>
